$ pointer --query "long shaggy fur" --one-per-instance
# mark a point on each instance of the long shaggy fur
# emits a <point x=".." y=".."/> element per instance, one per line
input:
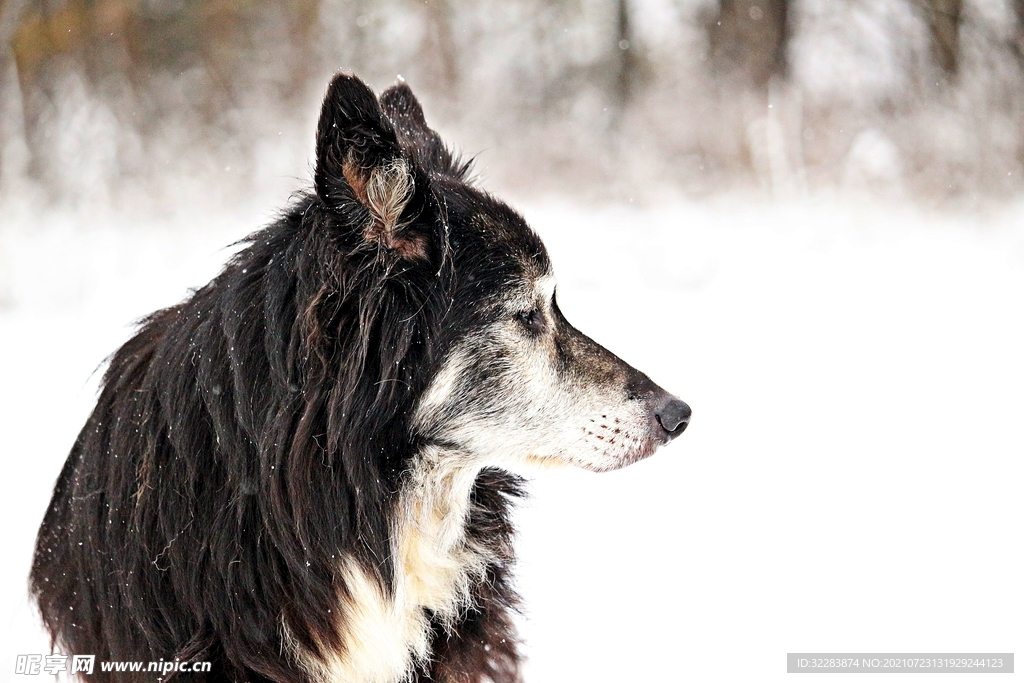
<point x="251" y="450"/>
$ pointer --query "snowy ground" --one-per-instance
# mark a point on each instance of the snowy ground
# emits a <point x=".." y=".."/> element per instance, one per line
<point x="850" y="482"/>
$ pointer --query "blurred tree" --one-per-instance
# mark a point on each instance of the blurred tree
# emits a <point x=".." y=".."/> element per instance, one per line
<point x="5" y="96"/>
<point x="748" y="41"/>
<point x="626" y="50"/>
<point x="944" y="18"/>
<point x="440" y="45"/>
<point x="128" y="51"/>
<point x="1018" y="39"/>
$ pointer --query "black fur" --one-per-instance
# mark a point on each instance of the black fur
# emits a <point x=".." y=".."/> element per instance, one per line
<point x="248" y="437"/>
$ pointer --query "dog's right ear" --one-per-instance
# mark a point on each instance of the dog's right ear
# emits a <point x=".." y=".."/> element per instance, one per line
<point x="361" y="172"/>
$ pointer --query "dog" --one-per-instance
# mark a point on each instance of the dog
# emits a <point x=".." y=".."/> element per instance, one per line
<point x="304" y="472"/>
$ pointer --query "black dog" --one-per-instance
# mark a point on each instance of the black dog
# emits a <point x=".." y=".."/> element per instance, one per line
<point x="301" y="472"/>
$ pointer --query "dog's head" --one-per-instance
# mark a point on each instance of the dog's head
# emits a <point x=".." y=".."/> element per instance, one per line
<point x="510" y="380"/>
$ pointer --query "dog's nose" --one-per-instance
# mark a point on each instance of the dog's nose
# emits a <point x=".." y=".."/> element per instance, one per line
<point x="673" y="415"/>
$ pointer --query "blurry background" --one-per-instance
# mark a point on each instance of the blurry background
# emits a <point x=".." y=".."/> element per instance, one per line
<point x="600" y="98"/>
<point x="802" y="216"/>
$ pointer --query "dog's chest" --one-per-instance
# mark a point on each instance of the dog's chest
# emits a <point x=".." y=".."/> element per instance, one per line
<point x="437" y="565"/>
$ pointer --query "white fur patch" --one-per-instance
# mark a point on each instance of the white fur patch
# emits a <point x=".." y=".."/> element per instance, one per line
<point x="545" y="288"/>
<point x="435" y="570"/>
<point x="442" y="388"/>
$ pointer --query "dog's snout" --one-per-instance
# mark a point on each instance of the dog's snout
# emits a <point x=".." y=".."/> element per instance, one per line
<point x="673" y="415"/>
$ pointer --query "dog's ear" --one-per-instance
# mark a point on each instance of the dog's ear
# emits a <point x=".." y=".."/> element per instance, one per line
<point x="415" y="136"/>
<point x="361" y="171"/>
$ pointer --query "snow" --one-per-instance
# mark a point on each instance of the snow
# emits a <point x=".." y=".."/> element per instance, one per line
<point x="850" y="481"/>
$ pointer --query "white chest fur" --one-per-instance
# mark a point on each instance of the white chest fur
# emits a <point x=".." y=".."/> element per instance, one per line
<point x="436" y="566"/>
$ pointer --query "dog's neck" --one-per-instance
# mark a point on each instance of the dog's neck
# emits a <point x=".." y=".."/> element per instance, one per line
<point x="436" y="567"/>
<point x="437" y="562"/>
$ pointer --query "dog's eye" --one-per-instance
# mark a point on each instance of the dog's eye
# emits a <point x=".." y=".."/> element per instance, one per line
<point x="532" y="320"/>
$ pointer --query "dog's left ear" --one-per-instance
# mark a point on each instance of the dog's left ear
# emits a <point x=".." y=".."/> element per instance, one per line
<point x="416" y="137"/>
<point x="361" y="172"/>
